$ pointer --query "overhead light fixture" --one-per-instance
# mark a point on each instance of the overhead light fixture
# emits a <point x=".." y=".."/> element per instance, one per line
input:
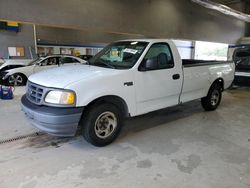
<point x="134" y="43"/>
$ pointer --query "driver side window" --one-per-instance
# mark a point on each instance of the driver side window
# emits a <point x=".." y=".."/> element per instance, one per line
<point x="161" y="55"/>
<point x="50" y="61"/>
<point x="65" y="60"/>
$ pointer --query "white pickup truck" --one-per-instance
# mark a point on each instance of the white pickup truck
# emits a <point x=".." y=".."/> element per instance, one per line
<point x="126" y="79"/>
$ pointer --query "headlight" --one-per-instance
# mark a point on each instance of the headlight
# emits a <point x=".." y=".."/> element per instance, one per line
<point x="60" y="97"/>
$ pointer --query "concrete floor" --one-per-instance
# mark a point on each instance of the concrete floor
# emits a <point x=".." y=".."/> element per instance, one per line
<point x="177" y="147"/>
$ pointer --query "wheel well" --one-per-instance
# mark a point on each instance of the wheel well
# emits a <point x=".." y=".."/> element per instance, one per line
<point x="23" y="75"/>
<point x="115" y="100"/>
<point x="219" y="81"/>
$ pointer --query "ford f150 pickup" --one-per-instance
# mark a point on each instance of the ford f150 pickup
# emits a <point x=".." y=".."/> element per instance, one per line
<point x="126" y="79"/>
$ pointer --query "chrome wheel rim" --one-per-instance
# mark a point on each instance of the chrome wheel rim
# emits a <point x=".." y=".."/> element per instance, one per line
<point x="15" y="80"/>
<point x="215" y="97"/>
<point x="105" y="125"/>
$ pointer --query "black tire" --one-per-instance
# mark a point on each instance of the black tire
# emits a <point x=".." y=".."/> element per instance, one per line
<point x="17" y="80"/>
<point x="213" y="98"/>
<point x="93" y="123"/>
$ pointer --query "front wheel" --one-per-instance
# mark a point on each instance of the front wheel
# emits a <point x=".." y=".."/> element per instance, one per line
<point x="17" y="80"/>
<point x="101" y="124"/>
<point x="213" y="98"/>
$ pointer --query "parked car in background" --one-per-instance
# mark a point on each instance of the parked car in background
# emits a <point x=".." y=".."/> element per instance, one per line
<point x="15" y="62"/>
<point x="86" y="57"/>
<point x="17" y="73"/>
<point x="2" y="61"/>
<point x="241" y="58"/>
<point x="125" y="79"/>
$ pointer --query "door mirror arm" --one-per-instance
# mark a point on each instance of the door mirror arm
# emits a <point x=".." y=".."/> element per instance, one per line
<point x="142" y="69"/>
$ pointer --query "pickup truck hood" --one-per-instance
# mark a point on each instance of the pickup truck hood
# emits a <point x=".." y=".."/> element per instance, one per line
<point x="60" y="77"/>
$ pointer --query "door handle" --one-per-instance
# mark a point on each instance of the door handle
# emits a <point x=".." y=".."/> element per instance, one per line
<point x="176" y="76"/>
<point x="128" y="83"/>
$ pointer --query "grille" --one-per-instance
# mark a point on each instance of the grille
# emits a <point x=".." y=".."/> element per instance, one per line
<point x="35" y="93"/>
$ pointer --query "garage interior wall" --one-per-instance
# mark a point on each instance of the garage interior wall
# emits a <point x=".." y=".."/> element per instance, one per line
<point x="247" y="10"/>
<point x="54" y="35"/>
<point x="152" y="18"/>
<point x="24" y="38"/>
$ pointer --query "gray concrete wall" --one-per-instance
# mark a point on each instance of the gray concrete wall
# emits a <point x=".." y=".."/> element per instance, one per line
<point x="152" y="18"/>
<point x="52" y="35"/>
<point x="237" y="6"/>
<point x="247" y="28"/>
<point x="24" y="38"/>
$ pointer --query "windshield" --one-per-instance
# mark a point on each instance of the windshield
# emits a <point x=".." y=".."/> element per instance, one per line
<point x="119" y="55"/>
<point x="35" y="61"/>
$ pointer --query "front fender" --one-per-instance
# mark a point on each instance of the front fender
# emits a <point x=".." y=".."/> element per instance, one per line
<point x="91" y="89"/>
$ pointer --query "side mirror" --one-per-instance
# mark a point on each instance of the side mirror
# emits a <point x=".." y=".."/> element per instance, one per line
<point x="149" y="64"/>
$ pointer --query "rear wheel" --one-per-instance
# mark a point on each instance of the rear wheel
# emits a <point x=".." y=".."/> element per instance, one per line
<point x="101" y="124"/>
<point x="17" y="80"/>
<point x="213" y="98"/>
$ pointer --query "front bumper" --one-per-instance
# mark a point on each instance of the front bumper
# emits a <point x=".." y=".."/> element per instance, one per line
<point x="3" y="81"/>
<point x="53" y="120"/>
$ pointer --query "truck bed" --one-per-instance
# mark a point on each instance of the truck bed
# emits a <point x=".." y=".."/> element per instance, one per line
<point x="194" y="62"/>
<point x="199" y="74"/>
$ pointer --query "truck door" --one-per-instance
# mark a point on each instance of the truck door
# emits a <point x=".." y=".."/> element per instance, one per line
<point x="158" y="80"/>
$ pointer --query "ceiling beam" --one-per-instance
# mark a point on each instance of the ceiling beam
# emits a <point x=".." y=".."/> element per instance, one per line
<point x="223" y="9"/>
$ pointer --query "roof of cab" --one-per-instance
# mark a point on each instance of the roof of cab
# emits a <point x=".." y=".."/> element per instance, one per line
<point x="146" y="40"/>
